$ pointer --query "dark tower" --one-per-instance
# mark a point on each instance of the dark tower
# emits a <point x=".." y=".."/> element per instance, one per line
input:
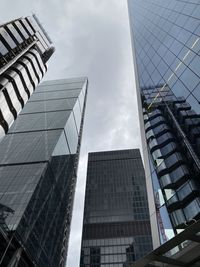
<point x="116" y="226"/>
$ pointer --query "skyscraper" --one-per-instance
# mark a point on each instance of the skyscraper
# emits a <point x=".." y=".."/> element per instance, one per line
<point x="166" y="51"/>
<point x="25" y="49"/>
<point x="116" y="227"/>
<point x="38" y="165"/>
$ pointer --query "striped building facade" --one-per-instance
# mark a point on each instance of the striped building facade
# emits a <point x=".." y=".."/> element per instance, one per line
<point x="24" y="51"/>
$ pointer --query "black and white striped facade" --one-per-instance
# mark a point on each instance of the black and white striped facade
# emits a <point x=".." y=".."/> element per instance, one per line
<point x="24" y="51"/>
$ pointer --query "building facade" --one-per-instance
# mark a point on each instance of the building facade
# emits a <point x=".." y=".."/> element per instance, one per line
<point x="25" y="49"/>
<point x="166" y="46"/>
<point x="116" y="227"/>
<point x="38" y="165"/>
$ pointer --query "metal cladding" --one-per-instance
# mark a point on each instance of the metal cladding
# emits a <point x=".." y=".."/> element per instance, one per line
<point x="24" y="50"/>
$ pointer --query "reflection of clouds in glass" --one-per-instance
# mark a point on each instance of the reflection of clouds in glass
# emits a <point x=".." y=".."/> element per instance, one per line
<point x="91" y="38"/>
<point x="13" y="196"/>
<point x="169" y="233"/>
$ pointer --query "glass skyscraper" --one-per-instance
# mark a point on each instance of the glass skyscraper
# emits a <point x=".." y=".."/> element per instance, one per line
<point x="38" y="165"/>
<point x="25" y="49"/>
<point x="116" y="225"/>
<point x="166" y="52"/>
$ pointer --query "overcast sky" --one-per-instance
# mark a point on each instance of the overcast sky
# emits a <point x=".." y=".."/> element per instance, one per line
<point x="92" y="39"/>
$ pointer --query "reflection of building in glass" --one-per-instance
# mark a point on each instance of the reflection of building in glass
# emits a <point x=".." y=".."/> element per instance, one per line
<point x="38" y="164"/>
<point x="25" y="49"/>
<point x="166" y="45"/>
<point x="172" y="137"/>
<point x="116" y="228"/>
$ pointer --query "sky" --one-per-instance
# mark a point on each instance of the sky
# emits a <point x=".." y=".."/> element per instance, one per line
<point x="92" y="38"/>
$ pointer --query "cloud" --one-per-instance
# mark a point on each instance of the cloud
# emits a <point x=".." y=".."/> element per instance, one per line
<point x="91" y="38"/>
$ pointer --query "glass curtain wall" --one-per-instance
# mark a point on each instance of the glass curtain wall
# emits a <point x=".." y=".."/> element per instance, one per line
<point x="166" y="47"/>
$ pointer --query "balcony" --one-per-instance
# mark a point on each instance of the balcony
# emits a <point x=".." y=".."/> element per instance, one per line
<point x="178" y="218"/>
<point x="161" y="141"/>
<point x="154" y="122"/>
<point x="157" y="131"/>
<point x="192" y="210"/>
<point x="182" y="106"/>
<point x="174" y="178"/>
<point x="185" y="114"/>
<point x="170" y="163"/>
<point x="183" y="195"/>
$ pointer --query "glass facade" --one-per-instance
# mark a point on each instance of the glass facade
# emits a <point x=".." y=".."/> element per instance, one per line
<point x="166" y="47"/>
<point x="38" y="165"/>
<point x="116" y="228"/>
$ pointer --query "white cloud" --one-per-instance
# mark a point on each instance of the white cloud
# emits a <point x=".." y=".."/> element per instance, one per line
<point x="91" y="38"/>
